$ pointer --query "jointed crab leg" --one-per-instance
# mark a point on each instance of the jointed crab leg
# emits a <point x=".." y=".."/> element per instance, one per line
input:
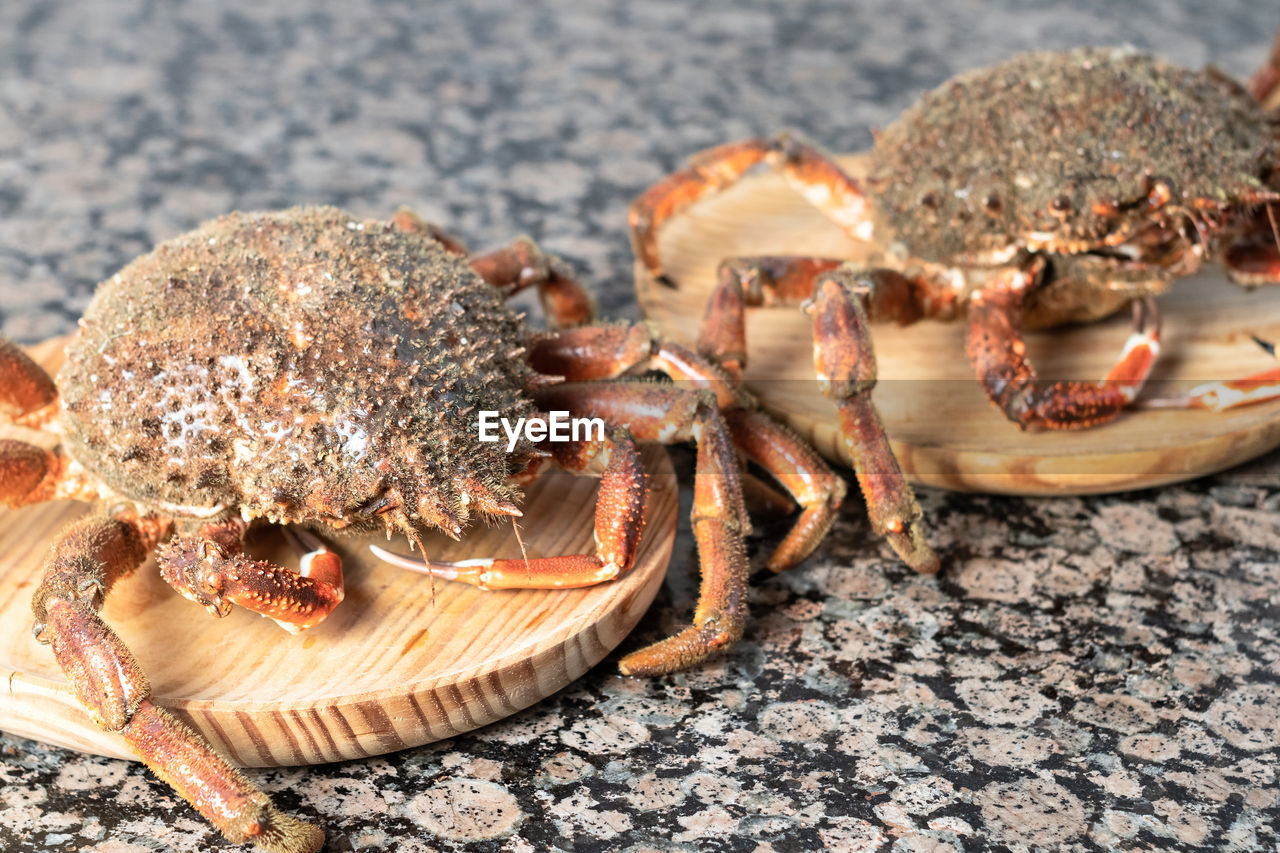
<point x="619" y="522"/>
<point x="998" y="354"/>
<point x="212" y="570"/>
<point x="665" y="414"/>
<point x="602" y="352"/>
<point x="522" y="265"/>
<point x="88" y="558"/>
<point x="607" y="352"/>
<point x="777" y="280"/>
<point x="846" y="368"/>
<point x="796" y="465"/>
<point x="1255" y="259"/>
<point x="809" y="171"/>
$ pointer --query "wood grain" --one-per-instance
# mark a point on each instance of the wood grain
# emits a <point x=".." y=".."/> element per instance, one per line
<point x="944" y="431"/>
<point x="398" y="664"/>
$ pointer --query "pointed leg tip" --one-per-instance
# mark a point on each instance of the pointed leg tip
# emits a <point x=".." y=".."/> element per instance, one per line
<point x="914" y="551"/>
<point x="278" y="832"/>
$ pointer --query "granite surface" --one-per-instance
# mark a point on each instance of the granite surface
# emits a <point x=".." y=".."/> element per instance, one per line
<point x="1097" y="673"/>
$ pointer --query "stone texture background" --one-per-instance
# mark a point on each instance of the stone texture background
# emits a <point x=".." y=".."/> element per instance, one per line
<point x="1095" y="673"/>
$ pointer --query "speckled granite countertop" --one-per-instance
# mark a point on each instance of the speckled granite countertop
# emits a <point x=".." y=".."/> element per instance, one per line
<point x="1095" y="673"/>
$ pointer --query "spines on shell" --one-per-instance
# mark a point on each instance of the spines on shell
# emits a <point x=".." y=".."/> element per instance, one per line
<point x="298" y="364"/>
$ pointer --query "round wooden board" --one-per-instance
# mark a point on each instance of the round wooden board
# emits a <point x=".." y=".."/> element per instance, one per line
<point x="396" y="665"/>
<point x="943" y="429"/>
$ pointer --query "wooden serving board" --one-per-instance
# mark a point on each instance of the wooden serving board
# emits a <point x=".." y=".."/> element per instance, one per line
<point x="396" y="665"/>
<point x="942" y="427"/>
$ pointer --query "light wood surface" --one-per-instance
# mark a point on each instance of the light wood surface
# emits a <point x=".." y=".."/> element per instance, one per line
<point x="396" y="665"/>
<point x="944" y="431"/>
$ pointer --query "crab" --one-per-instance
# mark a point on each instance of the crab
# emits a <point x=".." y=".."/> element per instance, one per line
<point x="1056" y="187"/>
<point x="311" y="369"/>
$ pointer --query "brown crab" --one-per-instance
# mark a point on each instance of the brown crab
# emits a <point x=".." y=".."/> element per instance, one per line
<point x="1052" y="188"/>
<point x="308" y="368"/>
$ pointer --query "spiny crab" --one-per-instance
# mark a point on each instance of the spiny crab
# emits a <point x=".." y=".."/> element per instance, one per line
<point x="1056" y="187"/>
<point x="307" y="368"/>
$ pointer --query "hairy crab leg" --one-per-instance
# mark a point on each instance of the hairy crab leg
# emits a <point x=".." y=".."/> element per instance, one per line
<point x="87" y="560"/>
<point x="808" y="170"/>
<point x="619" y="523"/>
<point x="24" y="472"/>
<point x="661" y="413"/>
<point x="25" y="387"/>
<point x="212" y="570"/>
<point x="844" y="360"/>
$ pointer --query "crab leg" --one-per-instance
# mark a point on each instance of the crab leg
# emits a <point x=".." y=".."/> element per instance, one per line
<point x="654" y="413"/>
<point x="816" y="488"/>
<point x="522" y="265"/>
<point x="24" y="472"/>
<point x="619" y="522"/>
<point x="845" y="363"/>
<point x="604" y="352"/>
<point x="665" y="414"/>
<point x="998" y="353"/>
<point x="212" y="570"/>
<point x="1227" y="394"/>
<point x="781" y="280"/>
<point x="25" y="387"/>
<point x="1264" y="85"/>
<point x="809" y="171"/>
<point x="607" y="352"/>
<point x="87" y="560"/>
<point x="846" y="367"/>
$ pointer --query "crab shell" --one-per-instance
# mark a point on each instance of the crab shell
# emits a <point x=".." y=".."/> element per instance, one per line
<point x="1095" y="150"/>
<point x="302" y="366"/>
